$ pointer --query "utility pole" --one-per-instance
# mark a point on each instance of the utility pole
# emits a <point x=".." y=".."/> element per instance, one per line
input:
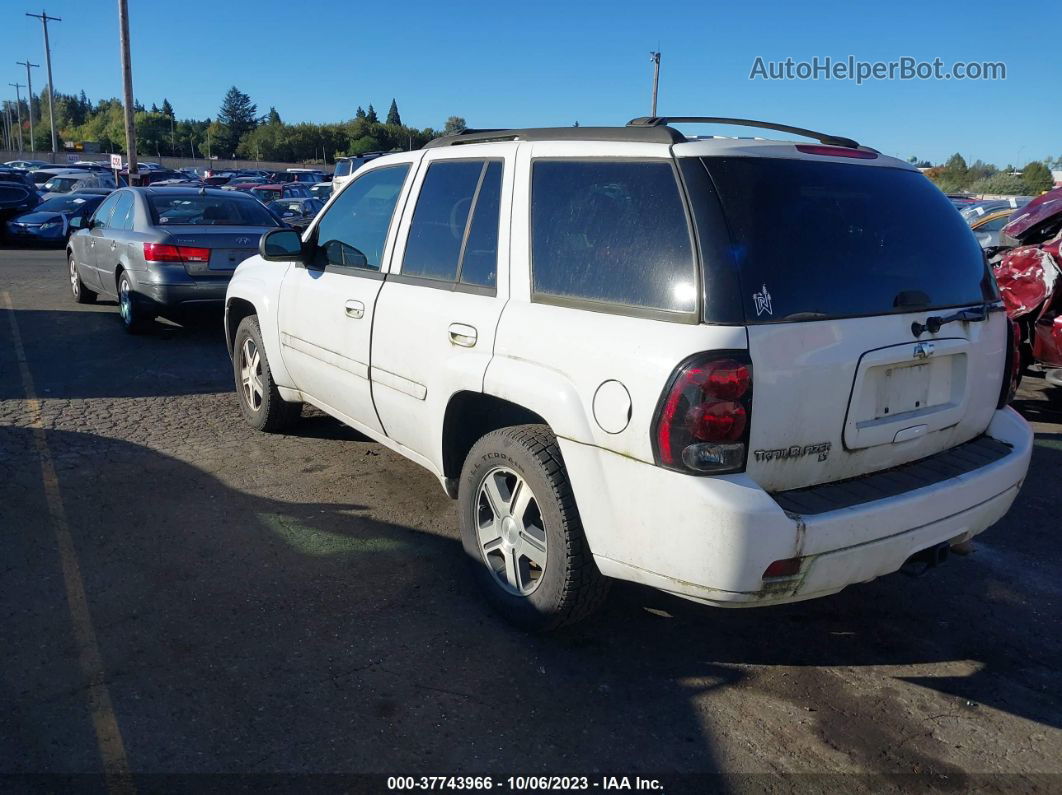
<point x="29" y="101"/>
<point x="7" y="128"/>
<point x="655" y="58"/>
<point x="18" y="110"/>
<point x="44" y="18"/>
<point x="127" y="79"/>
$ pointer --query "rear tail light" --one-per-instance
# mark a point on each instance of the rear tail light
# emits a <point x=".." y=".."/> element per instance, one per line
<point x="1012" y="364"/>
<point x="702" y="420"/>
<point x="790" y="567"/>
<point x="836" y="151"/>
<point x="164" y="252"/>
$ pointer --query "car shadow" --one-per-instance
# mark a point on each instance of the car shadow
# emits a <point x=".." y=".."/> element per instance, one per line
<point x="255" y="634"/>
<point x="87" y="354"/>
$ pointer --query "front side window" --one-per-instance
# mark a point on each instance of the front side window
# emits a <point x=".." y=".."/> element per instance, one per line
<point x="342" y="168"/>
<point x="354" y="230"/>
<point x="611" y="233"/>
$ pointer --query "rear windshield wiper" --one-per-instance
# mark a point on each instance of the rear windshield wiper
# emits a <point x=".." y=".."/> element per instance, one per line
<point x="974" y="314"/>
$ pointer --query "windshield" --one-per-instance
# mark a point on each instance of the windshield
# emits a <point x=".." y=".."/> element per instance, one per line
<point x="812" y="240"/>
<point x="68" y="204"/>
<point x="61" y="184"/>
<point x="266" y="195"/>
<point x="208" y="210"/>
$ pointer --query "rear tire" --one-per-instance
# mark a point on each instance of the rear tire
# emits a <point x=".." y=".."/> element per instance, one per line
<point x="133" y="309"/>
<point x="260" y="400"/>
<point x="81" y="293"/>
<point x="521" y="531"/>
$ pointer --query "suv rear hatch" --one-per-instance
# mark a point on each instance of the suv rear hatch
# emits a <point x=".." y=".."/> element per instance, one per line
<point x="833" y="257"/>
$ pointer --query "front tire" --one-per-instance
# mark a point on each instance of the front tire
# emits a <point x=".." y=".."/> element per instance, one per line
<point x="81" y="293"/>
<point x="260" y="400"/>
<point x="522" y="533"/>
<point x="136" y="317"/>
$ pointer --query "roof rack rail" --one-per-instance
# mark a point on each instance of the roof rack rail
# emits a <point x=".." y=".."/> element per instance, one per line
<point x="641" y="134"/>
<point x="822" y="138"/>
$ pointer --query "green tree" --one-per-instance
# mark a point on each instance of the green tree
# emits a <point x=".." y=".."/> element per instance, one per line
<point x="954" y="176"/>
<point x="999" y="183"/>
<point x="371" y="116"/>
<point x="238" y="115"/>
<point x="273" y="117"/>
<point x="359" y="113"/>
<point x="392" y="114"/>
<point x="167" y="108"/>
<point x="1037" y="178"/>
<point x="454" y="124"/>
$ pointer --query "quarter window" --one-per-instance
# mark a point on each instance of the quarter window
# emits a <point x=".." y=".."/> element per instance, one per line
<point x="354" y="230"/>
<point x="611" y="232"/>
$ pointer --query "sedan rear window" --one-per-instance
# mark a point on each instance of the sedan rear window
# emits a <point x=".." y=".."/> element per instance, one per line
<point x="814" y="240"/>
<point x="208" y="210"/>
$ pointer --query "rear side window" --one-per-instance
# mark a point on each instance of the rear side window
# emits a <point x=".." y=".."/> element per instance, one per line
<point x="815" y="240"/>
<point x="123" y="212"/>
<point x="433" y="249"/>
<point x="611" y="233"/>
<point x="354" y="230"/>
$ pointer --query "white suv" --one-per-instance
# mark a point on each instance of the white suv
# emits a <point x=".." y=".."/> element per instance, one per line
<point x="746" y="372"/>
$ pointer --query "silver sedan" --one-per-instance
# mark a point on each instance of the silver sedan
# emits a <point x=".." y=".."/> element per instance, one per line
<point x="163" y="249"/>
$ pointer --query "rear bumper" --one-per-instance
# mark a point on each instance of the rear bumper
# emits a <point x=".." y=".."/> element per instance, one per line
<point x="711" y="539"/>
<point x="172" y="287"/>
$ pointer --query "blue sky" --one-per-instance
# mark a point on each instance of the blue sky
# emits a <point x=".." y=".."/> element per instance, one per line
<point x="547" y="63"/>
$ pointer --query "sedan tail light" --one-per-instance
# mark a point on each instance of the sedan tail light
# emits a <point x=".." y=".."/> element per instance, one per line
<point x="164" y="252"/>
<point x="702" y="420"/>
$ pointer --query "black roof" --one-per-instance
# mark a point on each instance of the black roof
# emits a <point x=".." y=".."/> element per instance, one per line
<point x="648" y="129"/>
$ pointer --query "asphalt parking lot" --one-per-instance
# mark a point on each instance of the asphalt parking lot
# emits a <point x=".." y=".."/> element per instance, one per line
<point x="299" y="604"/>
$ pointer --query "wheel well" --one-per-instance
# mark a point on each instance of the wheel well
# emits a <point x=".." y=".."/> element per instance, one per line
<point x="235" y="311"/>
<point x="469" y="417"/>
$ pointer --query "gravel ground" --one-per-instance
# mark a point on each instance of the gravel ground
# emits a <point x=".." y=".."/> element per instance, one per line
<point x="299" y="604"/>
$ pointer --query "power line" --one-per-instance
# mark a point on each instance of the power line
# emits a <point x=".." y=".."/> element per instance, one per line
<point x="29" y="100"/>
<point x="44" y="18"/>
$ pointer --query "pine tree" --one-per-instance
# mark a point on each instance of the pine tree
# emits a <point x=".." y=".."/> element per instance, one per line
<point x="138" y="106"/>
<point x="273" y="117"/>
<point x="371" y="115"/>
<point x="154" y="108"/>
<point x="392" y="114"/>
<point x="167" y="108"/>
<point x="359" y="113"/>
<point x="239" y="116"/>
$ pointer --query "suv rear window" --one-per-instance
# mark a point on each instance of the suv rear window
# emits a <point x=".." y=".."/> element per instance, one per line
<point x="815" y="240"/>
<point x="613" y="233"/>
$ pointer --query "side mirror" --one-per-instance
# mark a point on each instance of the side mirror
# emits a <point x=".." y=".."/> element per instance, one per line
<point x="77" y="222"/>
<point x="280" y="245"/>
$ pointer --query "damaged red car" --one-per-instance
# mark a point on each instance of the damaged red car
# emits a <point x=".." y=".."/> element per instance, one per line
<point x="1028" y="269"/>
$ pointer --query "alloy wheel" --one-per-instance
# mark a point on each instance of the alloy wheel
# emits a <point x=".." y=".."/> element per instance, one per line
<point x="125" y="302"/>
<point x="251" y="375"/>
<point x="512" y="535"/>
<point x="75" y="281"/>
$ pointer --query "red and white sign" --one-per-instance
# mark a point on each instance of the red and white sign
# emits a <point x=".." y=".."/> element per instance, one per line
<point x="116" y="162"/>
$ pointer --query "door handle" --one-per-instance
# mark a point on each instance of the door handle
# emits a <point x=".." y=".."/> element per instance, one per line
<point x="354" y="309"/>
<point x="463" y="335"/>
